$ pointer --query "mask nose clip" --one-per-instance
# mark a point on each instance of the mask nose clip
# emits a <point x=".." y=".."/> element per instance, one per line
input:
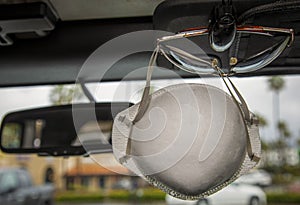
<point x="223" y="27"/>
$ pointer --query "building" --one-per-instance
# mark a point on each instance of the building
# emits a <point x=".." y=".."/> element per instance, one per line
<point x="93" y="177"/>
<point x="101" y="172"/>
<point x="42" y="169"/>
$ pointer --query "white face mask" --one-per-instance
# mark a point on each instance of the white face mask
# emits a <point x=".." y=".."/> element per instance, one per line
<point x="189" y="140"/>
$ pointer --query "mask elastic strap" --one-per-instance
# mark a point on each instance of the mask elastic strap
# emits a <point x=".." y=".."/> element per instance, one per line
<point x="242" y="106"/>
<point x="146" y="97"/>
<point x="146" y="93"/>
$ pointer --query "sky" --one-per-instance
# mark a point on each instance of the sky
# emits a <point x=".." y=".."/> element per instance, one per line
<point x="260" y="100"/>
<point x="254" y="89"/>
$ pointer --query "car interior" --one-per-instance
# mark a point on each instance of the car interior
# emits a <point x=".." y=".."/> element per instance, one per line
<point x="96" y="44"/>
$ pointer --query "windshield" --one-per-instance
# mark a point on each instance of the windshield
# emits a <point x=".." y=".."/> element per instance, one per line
<point x="77" y="173"/>
<point x="259" y="100"/>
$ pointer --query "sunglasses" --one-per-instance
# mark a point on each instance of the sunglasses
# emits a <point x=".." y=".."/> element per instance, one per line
<point x="238" y="61"/>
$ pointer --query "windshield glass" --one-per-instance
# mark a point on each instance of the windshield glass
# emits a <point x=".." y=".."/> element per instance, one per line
<point x="268" y="101"/>
<point x="259" y="100"/>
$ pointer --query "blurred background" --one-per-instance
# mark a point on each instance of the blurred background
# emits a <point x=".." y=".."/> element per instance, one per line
<point x="99" y="179"/>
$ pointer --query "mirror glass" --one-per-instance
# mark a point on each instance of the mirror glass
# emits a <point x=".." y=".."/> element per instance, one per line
<point x="11" y="136"/>
<point x="60" y="130"/>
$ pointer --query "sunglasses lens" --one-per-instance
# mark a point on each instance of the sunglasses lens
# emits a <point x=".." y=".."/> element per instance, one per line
<point x="199" y="64"/>
<point x="256" y="59"/>
<point x="250" y="51"/>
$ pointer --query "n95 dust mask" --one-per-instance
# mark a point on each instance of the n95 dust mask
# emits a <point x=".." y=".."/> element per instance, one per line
<point x="189" y="140"/>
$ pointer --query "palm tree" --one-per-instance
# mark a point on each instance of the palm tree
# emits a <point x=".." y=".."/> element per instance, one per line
<point x="298" y="142"/>
<point x="262" y="120"/>
<point x="283" y="130"/>
<point x="276" y="84"/>
<point x="284" y="135"/>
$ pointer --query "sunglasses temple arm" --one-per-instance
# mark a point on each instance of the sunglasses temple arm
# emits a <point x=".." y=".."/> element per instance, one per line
<point x="146" y="93"/>
<point x="242" y="106"/>
<point x="245" y="111"/>
<point x="146" y="97"/>
<point x="184" y="34"/>
<point x="143" y="104"/>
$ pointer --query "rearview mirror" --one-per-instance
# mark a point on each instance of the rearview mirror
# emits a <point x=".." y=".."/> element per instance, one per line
<point x="60" y="130"/>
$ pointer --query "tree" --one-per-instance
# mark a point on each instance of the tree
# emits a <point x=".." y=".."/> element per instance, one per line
<point x="262" y="123"/>
<point x="298" y="141"/>
<point x="282" y="144"/>
<point x="63" y="94"/>
<point x="262" y="120"/>
<point x="276" y="84"/>
<point x="283" y="130"/>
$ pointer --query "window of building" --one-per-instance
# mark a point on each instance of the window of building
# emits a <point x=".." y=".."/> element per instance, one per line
<point x="102" y="182"/>
<point x="85" y="181"/>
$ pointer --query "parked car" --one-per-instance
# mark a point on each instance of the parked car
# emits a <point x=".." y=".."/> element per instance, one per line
<point x="16" y="188"/>
<point x="256" y="177"/>
<point x="236" y="193"/>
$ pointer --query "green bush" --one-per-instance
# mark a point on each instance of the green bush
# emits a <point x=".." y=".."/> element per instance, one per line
<point x="285" y="198"/>
<point x="152" y="194"/>
<point x="73" y="196"/>
<point x="121" y="195"/>
<point x="113" y="195"/>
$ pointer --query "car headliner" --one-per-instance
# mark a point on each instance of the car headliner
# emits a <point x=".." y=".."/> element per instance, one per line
<point x="84" y="26"/>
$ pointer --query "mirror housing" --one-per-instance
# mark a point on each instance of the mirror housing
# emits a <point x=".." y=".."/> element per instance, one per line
<point x="60" y="130"/>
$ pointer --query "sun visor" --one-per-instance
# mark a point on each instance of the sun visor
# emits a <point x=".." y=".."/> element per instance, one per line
<point x="177" y="15"/>
<point x="25" y="21"/>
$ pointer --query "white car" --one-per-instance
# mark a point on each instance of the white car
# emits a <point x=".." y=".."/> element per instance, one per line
<point x="256" y="177"/>
<point x="236" y="193"/>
